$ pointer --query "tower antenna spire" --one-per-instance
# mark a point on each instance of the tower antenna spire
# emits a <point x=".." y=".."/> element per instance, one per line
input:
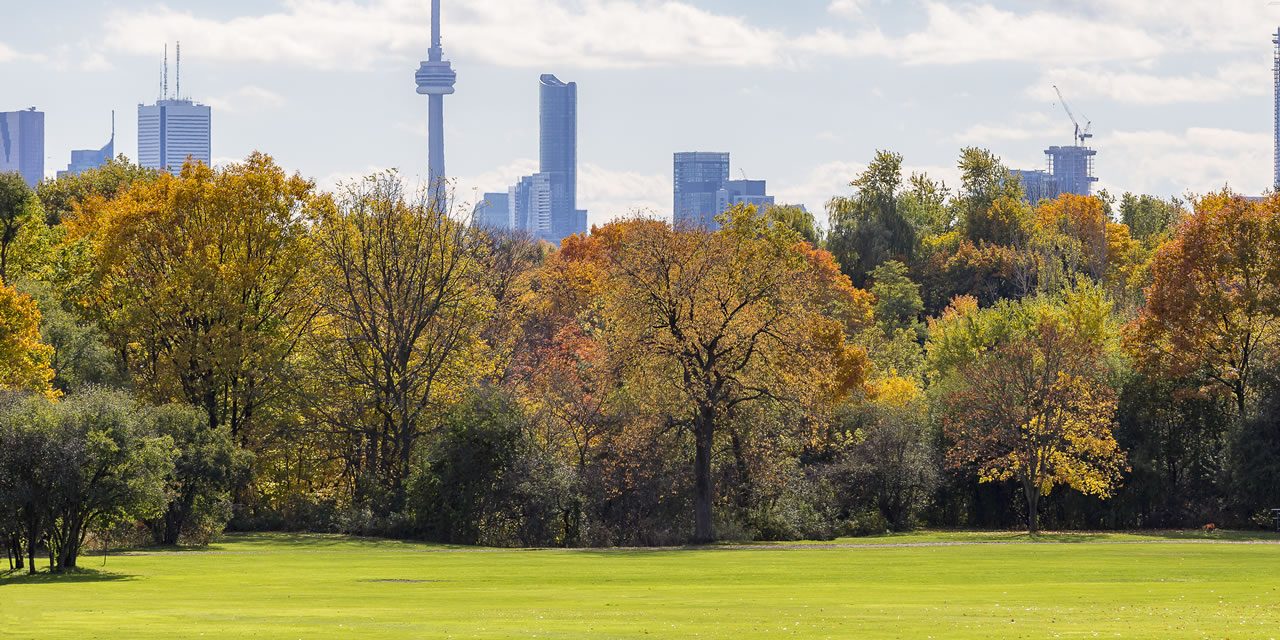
<point x="164" y="85"/>
<point x="436" y="79"/>
<point x="179" y="78"/>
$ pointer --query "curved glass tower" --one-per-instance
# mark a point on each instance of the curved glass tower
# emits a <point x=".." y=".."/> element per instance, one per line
<point x="558" y="154"/>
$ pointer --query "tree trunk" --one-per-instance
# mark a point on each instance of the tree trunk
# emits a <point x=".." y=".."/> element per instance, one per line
<point x="1033" y="507"/>
<point x="703" y="491"/>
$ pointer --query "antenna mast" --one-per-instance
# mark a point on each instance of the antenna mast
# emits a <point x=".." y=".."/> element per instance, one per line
<point x="179" y="78"/>
<point x="164" y="84"/>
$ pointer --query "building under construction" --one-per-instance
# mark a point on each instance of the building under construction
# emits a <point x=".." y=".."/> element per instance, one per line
<point x="1070" y="167"/>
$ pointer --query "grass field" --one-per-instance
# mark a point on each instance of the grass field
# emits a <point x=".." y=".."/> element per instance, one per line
<point x="929" y="585"/>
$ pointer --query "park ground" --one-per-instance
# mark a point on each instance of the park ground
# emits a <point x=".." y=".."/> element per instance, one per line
<point x="926" y="585"/>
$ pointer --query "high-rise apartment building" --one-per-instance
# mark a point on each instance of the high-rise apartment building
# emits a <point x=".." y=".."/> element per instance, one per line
<point x="171" y="131"/>
<point x="698" y="178"/>
<point x="22" y="144"/>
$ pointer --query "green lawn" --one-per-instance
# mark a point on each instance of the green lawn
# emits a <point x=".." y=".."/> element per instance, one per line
<point x="939" y="585"/>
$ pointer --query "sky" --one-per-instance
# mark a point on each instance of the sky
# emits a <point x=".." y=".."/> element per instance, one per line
<point x="800" y="92"/>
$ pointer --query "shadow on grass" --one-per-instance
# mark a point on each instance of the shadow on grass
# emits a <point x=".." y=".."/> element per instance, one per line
<point x="67" y="577"/>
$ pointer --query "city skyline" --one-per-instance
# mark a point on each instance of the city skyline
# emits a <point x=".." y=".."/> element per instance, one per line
<point x="1167" y="120"/>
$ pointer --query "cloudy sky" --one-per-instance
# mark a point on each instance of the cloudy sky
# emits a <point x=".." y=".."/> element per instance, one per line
<point x="801" y="92"/>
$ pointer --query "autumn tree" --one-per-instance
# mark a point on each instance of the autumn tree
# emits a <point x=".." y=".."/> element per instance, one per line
<point x="713" y="321"/>
<point x="18" y="207"/>
<point x="1214" y="303"/>
<point x="401" y="314"/>
<point x="203" y="282"/>
<point x="1028" y="394"/>
<point x="24" y="358"/>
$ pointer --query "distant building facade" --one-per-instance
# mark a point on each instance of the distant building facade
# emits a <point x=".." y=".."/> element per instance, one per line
<point x="703" y="189"/>
<point x="742" y="192"/>
<point x="22" y="144"/>
<point x="545" y="204"/>
<point x="1070" y="171"/>
<point x="83" y="160"/>
<point x="697" y="178"/>
<point x="494" y="212"/>
<point x="171" y="131"/>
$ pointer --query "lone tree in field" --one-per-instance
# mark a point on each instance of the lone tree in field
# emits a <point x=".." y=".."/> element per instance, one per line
<point x="712" y="320"/>
<point x="1028" y="396"/>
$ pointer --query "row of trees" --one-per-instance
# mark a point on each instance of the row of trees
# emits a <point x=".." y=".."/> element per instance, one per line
<point x="366" y="361"/>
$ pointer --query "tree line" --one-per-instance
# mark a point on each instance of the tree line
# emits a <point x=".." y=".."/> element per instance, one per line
<point x="235" y="347"/>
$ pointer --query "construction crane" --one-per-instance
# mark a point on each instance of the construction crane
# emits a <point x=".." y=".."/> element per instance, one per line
<point x="1081" y="135"/>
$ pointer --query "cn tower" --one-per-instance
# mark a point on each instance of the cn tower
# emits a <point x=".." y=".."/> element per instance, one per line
<point x="436" y="79"/>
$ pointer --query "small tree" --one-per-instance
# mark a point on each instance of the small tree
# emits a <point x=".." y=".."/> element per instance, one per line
<point x="107" y="465"/>
<point x="205" y="472"/>
<point x="1028" y="396"/>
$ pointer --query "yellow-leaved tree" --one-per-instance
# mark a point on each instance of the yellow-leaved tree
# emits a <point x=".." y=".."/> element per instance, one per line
<point x="24" y="359"/>
<point x="1029" y="392"/>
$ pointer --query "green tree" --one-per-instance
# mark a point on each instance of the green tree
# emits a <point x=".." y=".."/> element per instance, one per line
<point x="898" y="302"/>
<point x="18" y="210"/>
<point x="870" y="227"/>
<point x="991" y="203"/>
<point x="209" y="465"/>
<point x="60" y="198"/>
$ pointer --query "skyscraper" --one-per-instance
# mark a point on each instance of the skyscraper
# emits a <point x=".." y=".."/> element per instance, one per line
<point x="1072" y="168"/>
<point x="22" y="144"/>
<point x="698" y="179"/>
<point x="174" y="129"/>
<point x="85" y="159"/>
<point x="558" y="155"/>
<point x="436" y="79"/>
<point x="171" y="131"/>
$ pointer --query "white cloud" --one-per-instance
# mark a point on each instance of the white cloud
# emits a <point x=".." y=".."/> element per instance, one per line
<point x="1196" y="160"/>
<point x="343" y="34"/>
<point x="1229" y="82"/>
<point x="982" y="33"/>
<point x="248" y="98"/>
<point x="846" y="8"/>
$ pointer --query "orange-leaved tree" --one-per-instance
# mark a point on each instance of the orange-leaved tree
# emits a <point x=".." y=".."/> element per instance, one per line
<point x="1213" y="307"/>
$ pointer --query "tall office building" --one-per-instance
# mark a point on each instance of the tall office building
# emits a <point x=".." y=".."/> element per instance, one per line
<point x="558" y="154"/>
<point x="174" y="129"/>
<point x="436" y="79"/>
<point x="698" y="179"/>
<point x="171" y="131"/>
<point x="83" y="160"/>
<point x="22" y="144"/>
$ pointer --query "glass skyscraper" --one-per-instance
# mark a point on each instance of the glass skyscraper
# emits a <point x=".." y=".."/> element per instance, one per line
<point x="170" y="131"/>
<point x="558" y="156"/>
<point x="698" y="179"/>
<point x="22" y="144"/>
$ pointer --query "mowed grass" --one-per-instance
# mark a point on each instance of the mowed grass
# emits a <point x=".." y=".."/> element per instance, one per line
<point x="931" y="585"/>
